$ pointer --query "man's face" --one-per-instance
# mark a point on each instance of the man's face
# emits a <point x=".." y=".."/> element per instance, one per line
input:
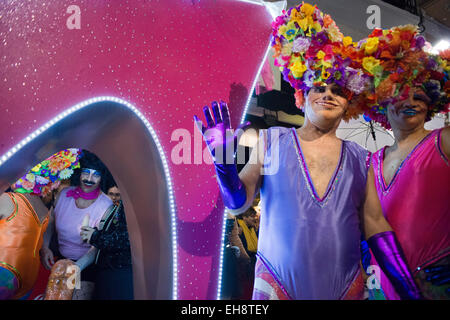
<point x="90" y="179"/>
<point x="409" y="112"/>
<point x="325" y="104"/>
<point x="114" y="194"/>
<point x="251" y="221"/>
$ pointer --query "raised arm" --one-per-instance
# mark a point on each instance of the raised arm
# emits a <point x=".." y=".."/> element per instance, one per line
<point x="237" y="190"/>
<point x="384" y="244"/>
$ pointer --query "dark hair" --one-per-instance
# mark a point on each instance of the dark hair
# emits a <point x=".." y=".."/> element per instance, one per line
<point x="249" y="212"/>
<point x="91" y="161"/>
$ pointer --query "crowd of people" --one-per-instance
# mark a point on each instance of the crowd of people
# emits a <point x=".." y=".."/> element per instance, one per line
<point x="327" y="205"/>
<point x="77" y="222"/>
<point x="320" y="195"/>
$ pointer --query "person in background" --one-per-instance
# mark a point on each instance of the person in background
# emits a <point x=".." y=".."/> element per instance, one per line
<point x="113" y="264"/>
<point x="83" y="204"/>
<point x="412" y="176"/>
<point x="317" y="191"/>
<point x="24" y="217"/>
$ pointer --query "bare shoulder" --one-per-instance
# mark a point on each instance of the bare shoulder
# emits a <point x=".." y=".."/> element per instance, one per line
<point x="6" y="206"/>
<point x="445" y="140"/>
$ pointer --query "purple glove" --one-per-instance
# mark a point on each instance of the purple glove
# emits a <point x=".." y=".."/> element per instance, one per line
<point x="390" y="257"/>
<point x="222" y="144"/>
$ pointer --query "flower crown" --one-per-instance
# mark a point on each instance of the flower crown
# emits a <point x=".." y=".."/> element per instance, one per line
<point x="311" y="51"/>
<point x="397" y="61"/>
<point x="47" y="175"/>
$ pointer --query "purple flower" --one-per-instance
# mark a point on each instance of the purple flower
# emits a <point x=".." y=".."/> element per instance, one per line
<point x="301" y="44"/>
<point x="319" y="39"/>
<point x="356" y="83"/>
<point x="420" y="42"/>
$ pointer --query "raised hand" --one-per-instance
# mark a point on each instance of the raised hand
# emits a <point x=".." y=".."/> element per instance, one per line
<point x="222" y="143"/>
<point x="218" y="134"/>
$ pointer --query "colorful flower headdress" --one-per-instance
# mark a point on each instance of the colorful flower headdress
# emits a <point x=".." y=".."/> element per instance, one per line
<point x="48" y="174"/>
<point x="311" y="51"/>
<point x="397" y="60"/>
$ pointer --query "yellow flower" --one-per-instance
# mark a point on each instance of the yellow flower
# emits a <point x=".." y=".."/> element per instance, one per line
<point x="307" y="9"/>
<point x="36" y="168"/>
<point x="290" y="31"/>
<point x="305" y="23"/>
<point x="31" y="177"/>
<point x="282" y="30"/>
<point x="320" y="55"/>
<point x="298" y="68"/>
<point x="369" y="63"/>
<point x="296" y="15"/>
<point x="326" y="64"/>
<point x="325" y="74"/>
<point x="316" y="25"/>
<point x="347" y="41"/>
<point x="371" y="45"/>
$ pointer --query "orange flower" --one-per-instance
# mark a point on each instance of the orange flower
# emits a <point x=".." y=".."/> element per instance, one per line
<point x="327" y="20"/>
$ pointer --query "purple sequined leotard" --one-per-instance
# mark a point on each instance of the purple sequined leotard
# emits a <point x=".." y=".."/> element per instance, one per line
<point x="310" y="246"/>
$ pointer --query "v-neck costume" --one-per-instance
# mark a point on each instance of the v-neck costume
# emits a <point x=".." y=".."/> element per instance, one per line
<point x="310" y="245"/>
<point x="415" y="203"/>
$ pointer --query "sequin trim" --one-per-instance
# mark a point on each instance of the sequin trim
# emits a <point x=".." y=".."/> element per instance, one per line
<point x="16" y="210"/>
<point x="274" y="275"/>
<point x="13" y="270"/>
<point x="332" y="184"/>
<point x="437" y="142"/>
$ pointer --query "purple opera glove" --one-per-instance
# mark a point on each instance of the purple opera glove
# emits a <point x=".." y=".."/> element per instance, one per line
<point x="390" y="257"/>
<point x="222" y="144"/>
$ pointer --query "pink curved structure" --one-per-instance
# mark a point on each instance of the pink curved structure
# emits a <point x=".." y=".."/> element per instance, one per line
<point x="120" y="86"/>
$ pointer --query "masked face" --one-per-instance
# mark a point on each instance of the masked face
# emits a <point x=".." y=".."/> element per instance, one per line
<point x="326" y="104"/>
<point x="114" y="195"/>
<point x="410" y="112"/>
<point x="89" y="179"/>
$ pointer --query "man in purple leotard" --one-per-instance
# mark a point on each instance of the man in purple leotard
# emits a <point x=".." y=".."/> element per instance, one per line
<point x="316" y="190"/>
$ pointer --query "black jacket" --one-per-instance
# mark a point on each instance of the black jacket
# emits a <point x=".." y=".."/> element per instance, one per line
<point x="112" y="241"/>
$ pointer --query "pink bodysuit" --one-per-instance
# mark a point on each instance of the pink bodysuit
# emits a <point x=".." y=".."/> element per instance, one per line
<point x="416" y="204"/>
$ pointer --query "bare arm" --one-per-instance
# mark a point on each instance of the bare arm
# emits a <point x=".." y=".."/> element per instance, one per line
<point x="372" y="217"/>
<point x="6" y="206"/>
<point x="87" y="259"/>
<point x="251" y="175"/>
<point x="50" y="229"/>
<point x="445" y="139"/>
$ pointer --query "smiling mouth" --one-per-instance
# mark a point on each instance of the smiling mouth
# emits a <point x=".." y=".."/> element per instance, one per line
<point x="409" y="112"/>
<point x="89" y="183"/>
<point x="327" y="104"/>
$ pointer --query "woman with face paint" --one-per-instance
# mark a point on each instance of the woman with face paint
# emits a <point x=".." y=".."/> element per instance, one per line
<point x="82" y="205"/>
<point x="313" y="185"/>
<point x="412" y="176"/>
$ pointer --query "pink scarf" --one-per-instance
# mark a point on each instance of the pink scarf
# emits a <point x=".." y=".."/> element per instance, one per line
<point x="78" y="192"/>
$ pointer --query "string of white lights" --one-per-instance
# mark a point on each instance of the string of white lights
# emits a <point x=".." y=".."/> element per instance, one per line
<point x="153" y="134"/>
<point x="222" y="246"/>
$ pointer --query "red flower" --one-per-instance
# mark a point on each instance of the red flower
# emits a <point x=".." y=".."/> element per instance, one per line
<point x="376" y="33"/>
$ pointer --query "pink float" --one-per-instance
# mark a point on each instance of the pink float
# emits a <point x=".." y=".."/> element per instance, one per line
<point x="123" y="79"/>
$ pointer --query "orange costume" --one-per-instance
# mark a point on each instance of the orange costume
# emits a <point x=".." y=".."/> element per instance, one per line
<point x="21" y="236"/>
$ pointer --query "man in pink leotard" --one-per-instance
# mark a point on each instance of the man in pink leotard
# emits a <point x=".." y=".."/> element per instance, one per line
<point x="412" y="176"/>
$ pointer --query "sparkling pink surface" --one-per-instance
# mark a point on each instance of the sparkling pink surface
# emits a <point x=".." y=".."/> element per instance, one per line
<point x="166" y="57"/>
